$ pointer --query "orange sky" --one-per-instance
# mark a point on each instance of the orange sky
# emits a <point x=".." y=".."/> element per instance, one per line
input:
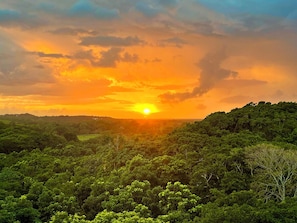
<point x="178" y="58"/>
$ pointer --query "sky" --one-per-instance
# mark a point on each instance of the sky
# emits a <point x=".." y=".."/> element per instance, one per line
<point x="175" y="58"/>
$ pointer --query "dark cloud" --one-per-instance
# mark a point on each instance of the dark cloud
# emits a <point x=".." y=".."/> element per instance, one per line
<point x="174" y="41"/>
<point x="109" y="58"/>
<point x="87" y="8"/>
<point x="211" y="73"/>
<point x="7" y="15"/>
<point x="130" y="58"/>
<point x="13" y="18"/>
<point x="108" y="41"/>
<point x="49" y="55"/>
<point x="73" y="31"/>
<point x="84" y="55"/>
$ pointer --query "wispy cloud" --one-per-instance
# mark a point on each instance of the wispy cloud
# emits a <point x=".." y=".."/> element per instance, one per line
<point x="211" y="73"/>
<point x="73" y="31"/>
<point x="88" y="8"/>
<point x="49" y="55"/>
<point x="107" y="41"/>
<point x="173" y="41"/>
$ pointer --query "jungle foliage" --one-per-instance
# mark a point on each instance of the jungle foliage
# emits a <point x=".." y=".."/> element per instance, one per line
<point x="239" y="166"/>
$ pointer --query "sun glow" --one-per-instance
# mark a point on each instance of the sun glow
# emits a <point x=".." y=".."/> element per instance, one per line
<point x="145" y="109"/>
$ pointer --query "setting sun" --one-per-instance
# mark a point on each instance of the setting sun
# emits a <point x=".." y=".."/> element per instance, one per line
<point x="146" y="111"/>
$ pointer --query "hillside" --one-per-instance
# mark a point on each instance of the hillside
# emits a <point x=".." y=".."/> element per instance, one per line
<point x="239" y="166"/>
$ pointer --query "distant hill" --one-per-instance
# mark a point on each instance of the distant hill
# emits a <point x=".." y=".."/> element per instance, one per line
<point x="263" y="120"/>
<point x="97" y="124"/>
<point x="26" y="131"/>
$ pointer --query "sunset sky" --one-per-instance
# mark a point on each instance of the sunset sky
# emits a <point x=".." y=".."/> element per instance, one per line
<point x="177" y="58"/>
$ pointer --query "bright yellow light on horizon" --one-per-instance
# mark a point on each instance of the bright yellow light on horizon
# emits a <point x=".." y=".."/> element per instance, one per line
<point x="145" y="109"/>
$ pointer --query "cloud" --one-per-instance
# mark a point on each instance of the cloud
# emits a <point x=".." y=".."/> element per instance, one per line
<point x="131" y="58"/>
<point x="226" y="17"/>
<point x="198" y="19"/>
<point x="109" y="58"/>
<point x="211" y="73"/>
<point x="245" y="17"/>
<point x="12" y="18"/>
<point x="84" y="55"/>
<point x="49" y="55"/>
<point x="147" y="8"/>
<point x="174" y="41"/>
<point x="107" y="41"/>
<point x="7" y="15"/>
<point x="274" y="8"/>
<point x="168" y="3"/>
<point x="18" y="68"/>
<point x="167" y="87"/>
<point x="240" y="83"/>
<point x="31" y="89"/>
<point x="73" y="31"/>
<point x="9" y="18"/>
<point x="87" y="8"/>
<point x="47" y="7"/>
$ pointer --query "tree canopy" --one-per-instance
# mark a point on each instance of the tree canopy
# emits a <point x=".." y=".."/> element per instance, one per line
<point x="238" y="166"/>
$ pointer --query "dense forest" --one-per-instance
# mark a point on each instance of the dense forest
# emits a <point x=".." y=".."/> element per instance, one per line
<point x="239" y="166"/>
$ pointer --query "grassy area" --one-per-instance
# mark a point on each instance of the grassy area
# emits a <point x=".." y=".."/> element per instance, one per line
<point x="85" y="137"/>
<point x="5" y="121"/>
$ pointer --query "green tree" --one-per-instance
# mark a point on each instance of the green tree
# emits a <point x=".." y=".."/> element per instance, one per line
<point x="178" y="202"/>
<point x="64" y="217"/>
<point x="18" y="209"/>
<point x="11" y="181"/>
<point x="127" y="198"/>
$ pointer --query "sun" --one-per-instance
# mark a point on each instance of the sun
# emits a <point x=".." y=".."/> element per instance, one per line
<point x="146" y="111"/>
<point x="145" y="108"/>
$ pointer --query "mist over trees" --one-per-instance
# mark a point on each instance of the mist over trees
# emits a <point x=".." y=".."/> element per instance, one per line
<point x="229" y="167"/>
